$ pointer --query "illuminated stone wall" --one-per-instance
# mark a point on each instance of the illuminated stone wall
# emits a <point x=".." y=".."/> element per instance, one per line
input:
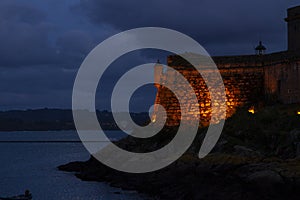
<point x="248" y="80"/>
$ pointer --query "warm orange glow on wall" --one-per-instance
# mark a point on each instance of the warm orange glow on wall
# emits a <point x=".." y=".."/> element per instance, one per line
<point x="298" y="113"/>
<point x="251" y="110"/>
<point x="153" y="119"/>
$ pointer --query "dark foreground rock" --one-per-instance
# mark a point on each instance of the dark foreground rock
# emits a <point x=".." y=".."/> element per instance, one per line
<point x="257" y="157"/>
<point x="218" y="176"/>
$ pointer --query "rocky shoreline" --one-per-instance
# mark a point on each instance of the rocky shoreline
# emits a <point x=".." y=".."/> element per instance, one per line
<point x="256" y="160"/>
<point x="219" y="176"/>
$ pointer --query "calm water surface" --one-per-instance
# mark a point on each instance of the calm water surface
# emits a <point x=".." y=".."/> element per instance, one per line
<point x="33" y="166"/>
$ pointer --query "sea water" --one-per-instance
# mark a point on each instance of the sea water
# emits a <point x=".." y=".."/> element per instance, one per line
<point x="29" y="160"/>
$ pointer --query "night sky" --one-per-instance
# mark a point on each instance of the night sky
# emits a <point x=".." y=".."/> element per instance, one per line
<point x="43" y="42"/>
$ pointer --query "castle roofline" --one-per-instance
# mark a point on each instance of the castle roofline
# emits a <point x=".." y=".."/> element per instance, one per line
<point x="293" y="8"/>
<point x="293" y="14"/>
<point x="266" y="59"/>
<point x="241" y="60"/>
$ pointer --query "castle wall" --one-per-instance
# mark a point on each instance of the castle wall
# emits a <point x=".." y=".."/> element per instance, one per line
<point x="243" y="87"/>
<point x="282" y="81"/>
<point x="248" y="79"/>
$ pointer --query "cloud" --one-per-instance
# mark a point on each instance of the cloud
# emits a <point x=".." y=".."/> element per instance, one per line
<point x="230" y="25"/>
<point x="42" y="46"/>
<point x="73" y="46"/>
<point x="20" y="13"/>
<point x="24" y="36"/>
<point x="42" y="43"/>
<point x="36" y="86"/>
<point x="32" y="36"/>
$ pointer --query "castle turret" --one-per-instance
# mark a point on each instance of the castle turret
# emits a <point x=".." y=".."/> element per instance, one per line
<point x="158" y="73"/>
<point x="158" y="70"/>
<point x="293" y="20"/>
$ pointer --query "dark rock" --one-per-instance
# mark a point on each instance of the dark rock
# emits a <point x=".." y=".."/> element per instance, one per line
<point x="244" y="151"/>
<point x="247" y="165"/>
<point x="72" y="167"/>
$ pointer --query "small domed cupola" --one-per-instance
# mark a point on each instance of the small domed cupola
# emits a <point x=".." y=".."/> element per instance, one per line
<point x="260" y="49"/>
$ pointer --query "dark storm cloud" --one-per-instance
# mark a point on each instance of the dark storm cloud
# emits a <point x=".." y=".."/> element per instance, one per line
<point x="36" y="64"/>
<point x="222" y="26"/>
<point x="24" y="36"/>
<point x="20" y="13"/>
<point x="143" y="99"/>
<point x="40" y="52"/>
<point x="73" y="46"/>
<point x="42" y="43"/>
<point x="28" y="37"/>
<point x="38" y="86"/>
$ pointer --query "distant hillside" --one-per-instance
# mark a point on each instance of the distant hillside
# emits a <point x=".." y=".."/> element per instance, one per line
<point x="56" y="119"/>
